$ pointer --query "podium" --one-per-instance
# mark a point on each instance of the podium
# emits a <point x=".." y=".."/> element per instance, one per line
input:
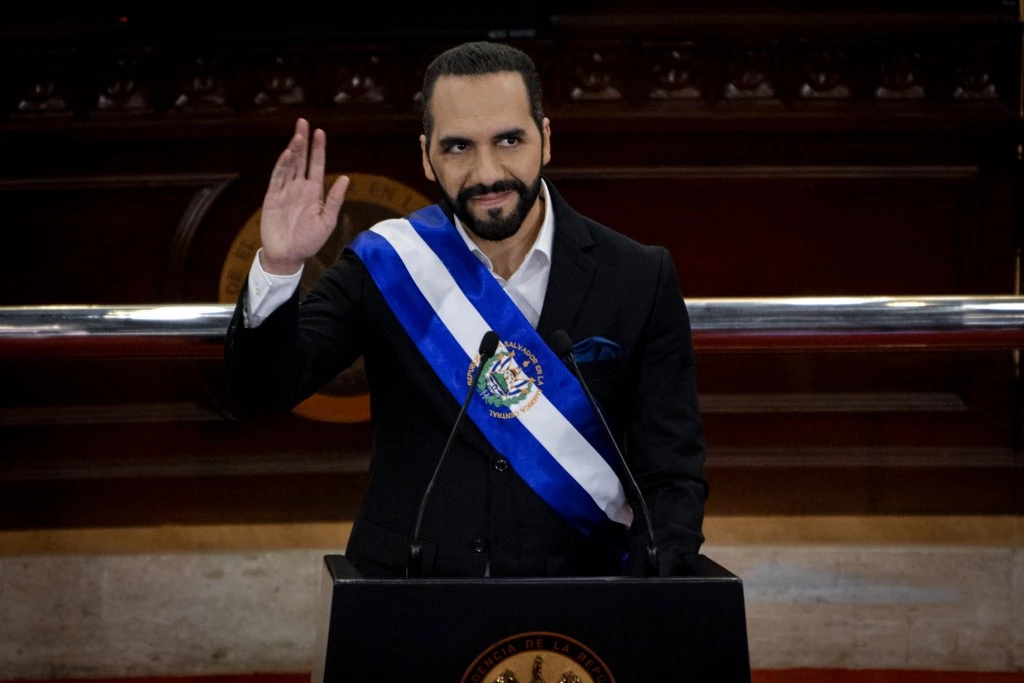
<point x="555" y="630"/>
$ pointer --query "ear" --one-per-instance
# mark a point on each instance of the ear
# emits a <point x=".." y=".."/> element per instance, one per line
<point x="546" y="152"/>
<point x="427" y="169"/>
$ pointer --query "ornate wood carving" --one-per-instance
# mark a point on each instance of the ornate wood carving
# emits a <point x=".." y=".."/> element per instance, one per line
<point x="200" y="85"/>
<point x="900" y="76"/>
<point x="124" y="84"/>
<point x="974" y="75"/>
<point x="360" y="77"/>
<point x="43" y="84"/>
<point x="675" y="72"/>
<point x="655" y="65"/>
<point x="595" y="73"/>
<point x="751" y="75"/>
<point x="281" y="80"/>
<point x="825" y="73"/>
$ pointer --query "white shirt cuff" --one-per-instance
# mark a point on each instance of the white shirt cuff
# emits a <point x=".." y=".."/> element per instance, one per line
<point x="266" y="292"/>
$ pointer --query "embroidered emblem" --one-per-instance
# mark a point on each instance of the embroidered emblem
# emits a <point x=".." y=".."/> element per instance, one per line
<point x="510" y="381"/>
<point x="502" y="382"/>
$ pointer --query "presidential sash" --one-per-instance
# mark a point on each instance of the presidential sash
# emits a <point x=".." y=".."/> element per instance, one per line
<point x="526" y="402"/>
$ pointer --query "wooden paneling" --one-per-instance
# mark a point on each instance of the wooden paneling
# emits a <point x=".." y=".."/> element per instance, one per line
<point x="81" y="240"/>
<point x="809" y="231"/>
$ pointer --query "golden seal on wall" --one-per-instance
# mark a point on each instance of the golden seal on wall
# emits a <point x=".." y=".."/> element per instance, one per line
<point x="538" y="657"/>
<point x="369" y="200"/>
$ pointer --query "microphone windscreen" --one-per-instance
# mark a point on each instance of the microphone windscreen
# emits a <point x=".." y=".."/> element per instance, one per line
<point x="561" y="344"/>
<point x="489" y="344"/>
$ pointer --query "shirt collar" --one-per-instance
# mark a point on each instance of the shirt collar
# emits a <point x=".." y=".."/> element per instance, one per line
<point x="542" y="245"/>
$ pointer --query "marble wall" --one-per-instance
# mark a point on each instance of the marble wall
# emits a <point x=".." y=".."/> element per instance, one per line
<point x="161" y="614"/>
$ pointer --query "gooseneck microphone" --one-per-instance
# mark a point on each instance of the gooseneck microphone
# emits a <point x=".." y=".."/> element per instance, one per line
<point x="561" y="344"/>
<point x="488" y="346"/>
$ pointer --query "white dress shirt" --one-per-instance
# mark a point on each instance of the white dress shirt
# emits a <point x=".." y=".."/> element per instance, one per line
<point x="526" y="286"/>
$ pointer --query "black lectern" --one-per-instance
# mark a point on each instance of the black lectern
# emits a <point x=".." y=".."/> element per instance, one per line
<point x="497" y="630"/>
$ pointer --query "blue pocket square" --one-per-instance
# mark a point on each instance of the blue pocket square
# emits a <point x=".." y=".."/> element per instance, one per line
<point x="595" y="348"/>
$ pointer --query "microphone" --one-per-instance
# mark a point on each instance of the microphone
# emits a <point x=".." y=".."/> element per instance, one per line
<point x="488" y="346"/>
<point x="561" y="344"/>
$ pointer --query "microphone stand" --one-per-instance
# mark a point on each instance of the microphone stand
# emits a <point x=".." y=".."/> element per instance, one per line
<point x="488" y="346"/>
<point x="563" y="346"/>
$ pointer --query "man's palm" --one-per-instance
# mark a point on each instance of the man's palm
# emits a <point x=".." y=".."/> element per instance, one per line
<point x="297" y="218"/>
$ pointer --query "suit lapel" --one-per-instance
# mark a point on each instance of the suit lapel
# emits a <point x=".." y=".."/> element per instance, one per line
<point x="572" y="269"/>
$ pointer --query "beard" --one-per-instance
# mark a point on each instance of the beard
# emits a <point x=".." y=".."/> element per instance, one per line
<point x="496" y="227"/>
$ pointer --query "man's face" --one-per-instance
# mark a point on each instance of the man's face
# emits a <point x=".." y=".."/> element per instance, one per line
<point x="486" y="152"/>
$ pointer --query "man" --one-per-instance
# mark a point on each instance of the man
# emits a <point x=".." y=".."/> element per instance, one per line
<point x="531" y="484"/>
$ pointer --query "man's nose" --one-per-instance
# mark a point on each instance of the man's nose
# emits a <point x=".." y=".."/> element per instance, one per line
<point x="488" y="168"/>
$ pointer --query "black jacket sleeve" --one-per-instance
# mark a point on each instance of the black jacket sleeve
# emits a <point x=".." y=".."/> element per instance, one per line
<point x="301" y="345"/>
<point x="664" y="438"/>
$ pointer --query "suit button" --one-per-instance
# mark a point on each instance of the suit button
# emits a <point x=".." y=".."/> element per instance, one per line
<point x="479" y="544"/>
<point x="501" y="464"/>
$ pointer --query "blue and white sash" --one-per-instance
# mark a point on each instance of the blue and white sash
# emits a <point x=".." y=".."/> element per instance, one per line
<point x="527" y="403"/>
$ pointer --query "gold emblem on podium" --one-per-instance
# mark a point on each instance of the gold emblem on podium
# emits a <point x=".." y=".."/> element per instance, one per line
<point x="538" y="657"/>
<point x="369" y="199"/>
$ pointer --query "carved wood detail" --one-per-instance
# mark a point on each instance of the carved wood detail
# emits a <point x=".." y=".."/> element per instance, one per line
<point x="675" y="71"/>
<point x="678" y="62"/>
<point x="900" y="75"/>
<point x="825" y="74"/>
<point x="974" y="75"/>
<point x="751" y="75"/>
<point x="360" y="77"/>
<point x="43" y="85"/>
<point x="124" y="83"/>
<point x="281" y="81"/>
<point x="201" y="85"/>
<point x="596" y="73"/>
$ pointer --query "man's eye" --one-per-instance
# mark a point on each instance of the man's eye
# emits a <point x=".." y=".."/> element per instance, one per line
<point x="510" y="141"/>
<point x="457" y="148"/>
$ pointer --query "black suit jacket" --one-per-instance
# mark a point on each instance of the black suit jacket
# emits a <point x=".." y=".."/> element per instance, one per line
<point x="481" y="514"/>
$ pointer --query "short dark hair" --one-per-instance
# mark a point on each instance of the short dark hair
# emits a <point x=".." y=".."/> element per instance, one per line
<point x="481" y="58"/>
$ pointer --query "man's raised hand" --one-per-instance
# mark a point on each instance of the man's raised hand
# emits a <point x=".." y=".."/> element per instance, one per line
<point x="297" y="218"/>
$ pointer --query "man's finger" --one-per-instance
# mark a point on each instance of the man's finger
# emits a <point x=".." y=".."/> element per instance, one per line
<point x="318" y="157"/>
<point x="282" y="171"/>
<point x="332" y="205"/>
<point x="300" y="147"/>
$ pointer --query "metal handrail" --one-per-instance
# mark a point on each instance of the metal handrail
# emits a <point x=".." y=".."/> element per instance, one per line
<point x="869" y="323"/>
